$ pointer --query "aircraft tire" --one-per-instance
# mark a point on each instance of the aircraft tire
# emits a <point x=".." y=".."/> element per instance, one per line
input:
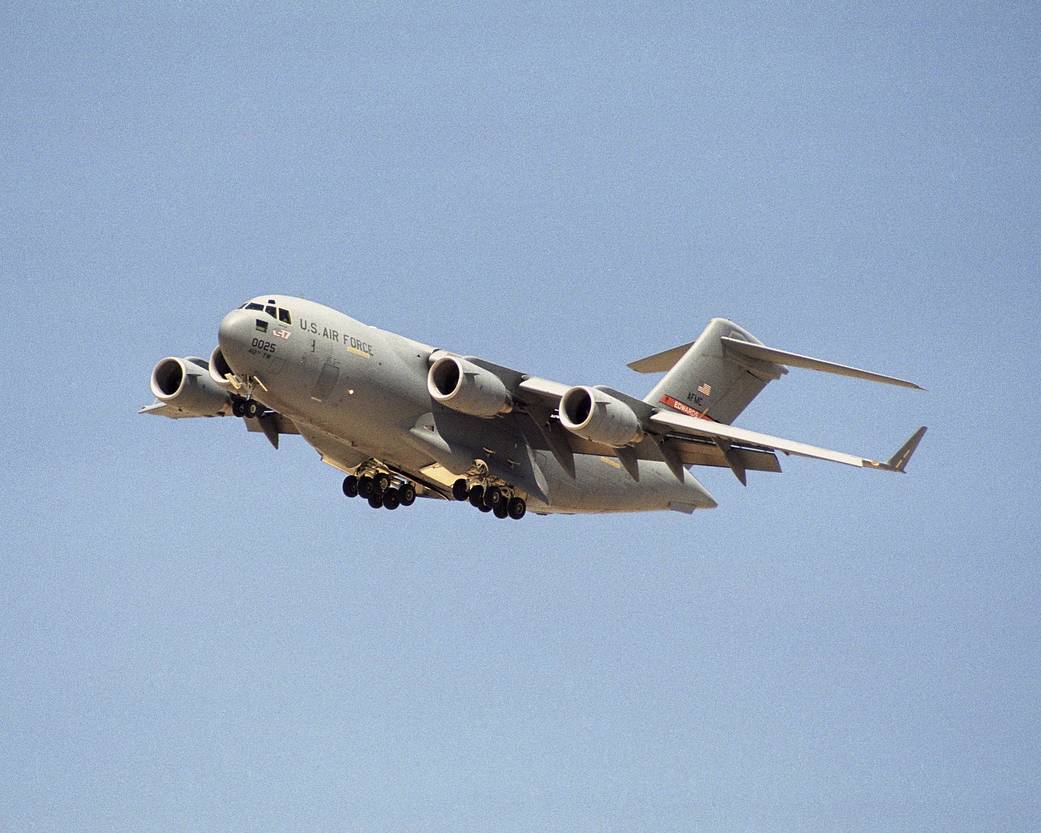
<point x="477" y="496"/>
<point x="516" y="508"/>
<point x="460" y="491"/>
<point x="350" y="486"/>
<point x="493" y="496"/>
<point x="484" y="507"/>
<point x="238" y="408"/>
<point x="251" y="408"/>
<point x="365" y="486"/>
<point x="375" y="500"/>
<point x="500" y="509"/>
<point x="382" y="482"/>
<point x="407" y="494"/>
<point x="391" y="499"/>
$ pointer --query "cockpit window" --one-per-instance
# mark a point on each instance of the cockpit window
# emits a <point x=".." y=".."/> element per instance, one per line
<point x="275" y="312"/>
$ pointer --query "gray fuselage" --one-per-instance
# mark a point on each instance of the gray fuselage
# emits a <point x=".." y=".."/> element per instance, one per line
<point x="356" y="393"/>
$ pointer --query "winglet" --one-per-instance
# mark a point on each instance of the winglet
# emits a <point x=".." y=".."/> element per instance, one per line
<point x="898" y="462"/>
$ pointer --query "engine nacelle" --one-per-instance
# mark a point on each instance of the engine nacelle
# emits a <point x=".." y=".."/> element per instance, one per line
<point x="219" y="369"/>
<point x="465" y="387"/>
<point x="185" y="385"/>
<point x="599" y="417"/>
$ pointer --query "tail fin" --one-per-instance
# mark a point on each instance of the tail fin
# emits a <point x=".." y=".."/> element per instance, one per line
<point x="717" y="376"/>
<point x="705" y="378"/>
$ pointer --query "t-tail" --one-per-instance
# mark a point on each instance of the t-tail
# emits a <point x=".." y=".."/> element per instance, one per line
<point x="716" y="376"/>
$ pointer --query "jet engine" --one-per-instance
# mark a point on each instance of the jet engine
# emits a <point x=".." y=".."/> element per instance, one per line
<point x="186" y="386"/>
<point x="219" y="369"/>
<point x="465" y="387"/>
<point x="599" y="417"/>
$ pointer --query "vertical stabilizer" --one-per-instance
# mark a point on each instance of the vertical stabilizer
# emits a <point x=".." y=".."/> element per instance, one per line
<point x="706" y="379"/>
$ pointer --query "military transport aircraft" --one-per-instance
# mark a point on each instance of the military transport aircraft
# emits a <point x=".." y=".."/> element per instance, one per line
<point x="402" y="419"/>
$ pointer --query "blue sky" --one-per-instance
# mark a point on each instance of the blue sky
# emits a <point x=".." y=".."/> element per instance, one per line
<point x="199" y="633"/>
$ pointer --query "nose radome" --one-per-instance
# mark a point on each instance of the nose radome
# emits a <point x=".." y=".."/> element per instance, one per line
<point x="234" y="332"/>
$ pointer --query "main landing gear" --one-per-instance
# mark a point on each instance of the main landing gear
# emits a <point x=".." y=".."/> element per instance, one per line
<point x="380" y="489"/>
<point x="498" y="500"/>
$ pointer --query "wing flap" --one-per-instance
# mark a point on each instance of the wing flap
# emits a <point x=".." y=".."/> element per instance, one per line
<point x="715" y="430"/>
<point x="280" y="423"/>
<point x="692" y="451"/>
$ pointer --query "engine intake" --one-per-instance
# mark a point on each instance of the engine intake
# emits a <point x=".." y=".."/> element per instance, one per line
<point x="219" y="369"/>
<point x="465" y="387"/>
<point x="186" y="386"/>
<point x="599" y="417"/>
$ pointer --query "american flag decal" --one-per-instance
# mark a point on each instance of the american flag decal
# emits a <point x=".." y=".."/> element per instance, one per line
<point x="261" y="325"/>
<point x="705" y="389"/>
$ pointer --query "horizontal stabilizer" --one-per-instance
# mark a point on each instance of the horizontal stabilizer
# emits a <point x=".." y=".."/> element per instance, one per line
<point x="769" y="354"/>
<point x="661" y="362"/>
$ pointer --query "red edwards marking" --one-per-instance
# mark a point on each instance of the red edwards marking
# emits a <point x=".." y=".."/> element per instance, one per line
<point x="683" y="408"/>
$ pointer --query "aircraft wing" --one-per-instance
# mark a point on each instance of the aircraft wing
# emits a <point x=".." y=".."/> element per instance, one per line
<point x="158" y="408"/>
<point x="269" y="423"/>
<point x="542" y="396"/>
<point x="678" y="439"/>
<point x="728" y="433"/>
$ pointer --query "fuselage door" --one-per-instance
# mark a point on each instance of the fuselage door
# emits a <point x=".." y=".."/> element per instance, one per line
<point x="327" y="379"/>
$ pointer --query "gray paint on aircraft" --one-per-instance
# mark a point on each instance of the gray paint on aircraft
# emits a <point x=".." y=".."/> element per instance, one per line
<point x="360" y="396"/>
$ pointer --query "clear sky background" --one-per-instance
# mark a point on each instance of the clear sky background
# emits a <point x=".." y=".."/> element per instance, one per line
<point x="199" y="633"/>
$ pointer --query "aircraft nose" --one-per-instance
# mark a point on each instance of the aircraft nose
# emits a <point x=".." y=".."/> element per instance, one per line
<point x="234" y="332"/>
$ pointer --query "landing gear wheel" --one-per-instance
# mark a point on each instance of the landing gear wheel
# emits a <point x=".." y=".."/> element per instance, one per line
<point x="493" y="496"/>
<point x="516" y="508"/>
<point x="251" y="409"/>
<point x="365" y="486"/>
<point x="382" y="482"/>
<point x="501" y="510"/>
<point x="391" y="499"/>
<point x="350" y="485"/>
<point x="238" y="408"/>
<point x="484" y="507"/>
<point x="477" y="496"/>
<point x="407" y="493"/>
<point x="460" y="491"/>
<point x="375" y="500"/>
